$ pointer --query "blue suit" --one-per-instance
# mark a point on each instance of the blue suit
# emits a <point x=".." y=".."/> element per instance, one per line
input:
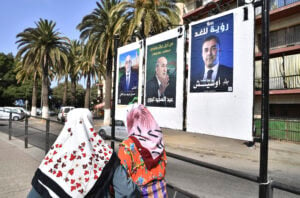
<point x="133" y="84"/>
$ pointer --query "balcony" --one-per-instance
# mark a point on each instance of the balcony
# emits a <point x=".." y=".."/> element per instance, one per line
<point x="280" y="83"/>
<point x="192" y="5"/>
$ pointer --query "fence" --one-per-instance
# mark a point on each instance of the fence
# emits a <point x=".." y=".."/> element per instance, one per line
<point x="45" y="138"/>
<point x="43" y="133"/>
<point x="281" y="129"/>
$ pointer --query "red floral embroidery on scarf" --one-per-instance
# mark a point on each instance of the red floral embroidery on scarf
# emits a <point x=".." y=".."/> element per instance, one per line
<point x="59" y="174"/>
<point x="71" y="172"/>
<point x="73" y="188"/>
<point x="72" y="157"/>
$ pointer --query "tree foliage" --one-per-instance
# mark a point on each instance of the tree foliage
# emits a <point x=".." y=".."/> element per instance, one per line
<point x="57" y="95"/>
<point x="43" y="46"/>
<point x="10" y="90"/>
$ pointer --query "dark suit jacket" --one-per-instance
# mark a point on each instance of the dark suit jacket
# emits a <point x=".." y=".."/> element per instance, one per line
<point x="224" y="77"/>
<point x="133" y="84"/>
<point x="130" y="94"/>
<point x="152" y="98"/>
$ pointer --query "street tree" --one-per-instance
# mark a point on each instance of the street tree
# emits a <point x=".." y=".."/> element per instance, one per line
<point x="88" y="69"/>
<point x="74" y="53"/>
<point x="43" y="46"/>
<point x="100" y="27"/>
<point x="148" y="17"/>
<point x="29" y="72"/>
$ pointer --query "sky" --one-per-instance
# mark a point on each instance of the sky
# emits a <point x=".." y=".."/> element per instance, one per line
<point x="17" y="15"/>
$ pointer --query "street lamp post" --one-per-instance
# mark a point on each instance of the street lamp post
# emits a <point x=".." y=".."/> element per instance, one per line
<point x="113" y="108"/>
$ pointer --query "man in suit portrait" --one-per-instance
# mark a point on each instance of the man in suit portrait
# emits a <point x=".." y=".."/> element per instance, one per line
<point x="160" y="89"/>
<point x="214" y="76"/>
<point x="129" y="80"/>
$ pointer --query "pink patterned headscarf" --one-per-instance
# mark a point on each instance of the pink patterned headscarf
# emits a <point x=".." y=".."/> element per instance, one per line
<point x="146" y="133"/>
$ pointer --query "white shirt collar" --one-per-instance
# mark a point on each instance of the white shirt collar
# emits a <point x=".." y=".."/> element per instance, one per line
<point x="214" y="74"/>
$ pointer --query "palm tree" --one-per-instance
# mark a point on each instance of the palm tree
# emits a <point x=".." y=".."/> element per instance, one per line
<point x="26" y="73"/>
<point x="88" y="70"/>
<point x="150" y="17"/>
<point x="43" y="46"/>
<point x="74" y="54"/>
<point x="100" y="27"/>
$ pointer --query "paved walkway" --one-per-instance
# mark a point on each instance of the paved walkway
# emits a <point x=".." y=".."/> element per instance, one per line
<point x="17" y="165"/>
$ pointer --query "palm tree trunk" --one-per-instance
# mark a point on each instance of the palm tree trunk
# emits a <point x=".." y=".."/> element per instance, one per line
<point x="108" y="87"/>
<point x="87" y="92"/>
<point x="45" y="89"/>
<point x="34" y="98"/>
<point x="64" y="102"/>
<point x="73" y="91"/>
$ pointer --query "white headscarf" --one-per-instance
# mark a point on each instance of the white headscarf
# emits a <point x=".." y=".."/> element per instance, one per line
<point x="76" y="159"/>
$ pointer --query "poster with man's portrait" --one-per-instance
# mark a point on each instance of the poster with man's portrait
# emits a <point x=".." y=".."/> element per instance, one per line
<point x="128" y="77"/>
<point x="212" y="55"/>
<point x="161" y="74"/>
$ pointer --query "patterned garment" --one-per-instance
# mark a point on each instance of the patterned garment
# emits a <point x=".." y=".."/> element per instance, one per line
<point x="135" y="166"/>
<point x="155" y="189"/>
<point x="76" y="160"/>
<point x="147" y="134"/>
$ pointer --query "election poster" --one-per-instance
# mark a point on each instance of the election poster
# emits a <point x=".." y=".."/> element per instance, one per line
<point x="221" y="72"/>
<point x="128" y="80"/>
<point x="129" y="77"/>
<point x="212" y="55"/>
<point x="161" y="74"/>
<point x="164" y="77"/>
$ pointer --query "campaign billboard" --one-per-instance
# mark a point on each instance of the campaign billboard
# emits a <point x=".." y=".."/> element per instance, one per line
<point x="220" y="80"/>
<point x="129" y="77"/>
<point x="164" y="69"/>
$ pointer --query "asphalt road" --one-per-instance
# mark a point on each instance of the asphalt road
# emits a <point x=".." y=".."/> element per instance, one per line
<point x="203" y="182"/>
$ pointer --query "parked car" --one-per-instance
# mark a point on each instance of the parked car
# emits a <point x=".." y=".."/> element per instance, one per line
<point x="22" y="110"/>
<point x="50" y="112"/>
<point x="38" y="111"/>
<point x="63" y="112"/>
<point x="120" y="130"/>
<point x="17" y="114"/>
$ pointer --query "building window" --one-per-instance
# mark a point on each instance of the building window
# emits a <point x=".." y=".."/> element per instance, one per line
<point x="274" y="4"/>
<point x="284" y="37"/>
<point x="284" y="73"/>
<point x="192" y="5"/>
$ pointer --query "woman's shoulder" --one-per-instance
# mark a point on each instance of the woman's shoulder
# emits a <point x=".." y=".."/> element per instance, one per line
<point x="127" y="143"/>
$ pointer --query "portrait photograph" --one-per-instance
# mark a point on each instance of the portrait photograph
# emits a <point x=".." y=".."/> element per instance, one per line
<point x="161" y="74"/>
<point x="211" y="67"/>
<point x="128" y="77"/>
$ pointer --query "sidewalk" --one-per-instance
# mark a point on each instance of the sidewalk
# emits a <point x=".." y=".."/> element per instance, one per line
<point x="17" y="164"/>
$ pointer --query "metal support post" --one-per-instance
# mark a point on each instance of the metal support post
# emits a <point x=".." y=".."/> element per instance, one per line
<point x="10" y="125"/>
<point x="265" y="184"/>
<point x="116" y="40"/>
<point x="26" y="132"/>
<point x="47" y="139"/>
